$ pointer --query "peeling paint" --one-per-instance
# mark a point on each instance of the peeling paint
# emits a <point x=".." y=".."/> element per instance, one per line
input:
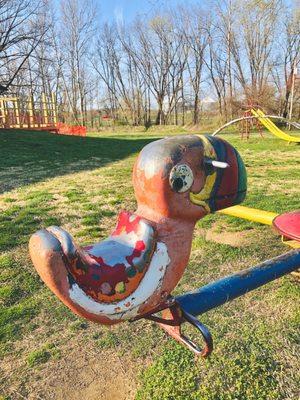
<point x="149" y="284"/>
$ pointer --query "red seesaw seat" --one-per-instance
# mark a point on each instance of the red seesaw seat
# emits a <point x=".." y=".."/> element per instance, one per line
<point x="288" y="225"/>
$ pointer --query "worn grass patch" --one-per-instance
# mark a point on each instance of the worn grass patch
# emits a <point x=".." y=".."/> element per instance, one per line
<point x="82" y="184"/>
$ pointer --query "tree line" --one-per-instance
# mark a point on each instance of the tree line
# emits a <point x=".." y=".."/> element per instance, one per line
<point x="171" y="67"/>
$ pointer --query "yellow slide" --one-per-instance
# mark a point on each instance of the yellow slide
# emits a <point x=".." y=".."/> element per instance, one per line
<point x="273" y="128"/>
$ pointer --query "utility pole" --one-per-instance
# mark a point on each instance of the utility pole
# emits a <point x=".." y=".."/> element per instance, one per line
<point x="294" y="73"/>
<point x="229" y="44"/>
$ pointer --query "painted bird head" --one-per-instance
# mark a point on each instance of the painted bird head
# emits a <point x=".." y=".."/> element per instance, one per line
<point x="187" y="177"/>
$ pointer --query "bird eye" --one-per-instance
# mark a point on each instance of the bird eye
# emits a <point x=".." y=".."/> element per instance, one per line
<point x="181" y="178"/>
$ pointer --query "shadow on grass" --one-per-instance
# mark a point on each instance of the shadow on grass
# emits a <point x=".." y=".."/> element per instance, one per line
<point x="28" y="157"/>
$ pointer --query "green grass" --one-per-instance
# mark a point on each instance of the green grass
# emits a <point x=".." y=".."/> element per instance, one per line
<point x="41" y="356"/>
<point x="82" y="184"/>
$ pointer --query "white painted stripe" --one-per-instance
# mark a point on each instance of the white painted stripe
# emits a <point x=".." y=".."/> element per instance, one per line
<point x="128" y="307"/>
<point x="220" y="164"/>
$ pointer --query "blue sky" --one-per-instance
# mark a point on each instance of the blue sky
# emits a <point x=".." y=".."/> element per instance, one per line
<point x="126" y="10"/>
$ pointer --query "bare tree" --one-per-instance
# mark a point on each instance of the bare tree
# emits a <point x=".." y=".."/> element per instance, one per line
<point x="252" y="45"/>
<point x="196" y="36"/>
<point x="291" y="51"/>
<point x="156" y="51"/>
<point x="237" y="51"/>
<point x="77" y="28"/>
<point x="21" y="32"/>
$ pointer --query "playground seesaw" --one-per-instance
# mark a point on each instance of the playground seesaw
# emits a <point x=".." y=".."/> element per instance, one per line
<point x="285" y="224"/>
<point x="130" y="275"/>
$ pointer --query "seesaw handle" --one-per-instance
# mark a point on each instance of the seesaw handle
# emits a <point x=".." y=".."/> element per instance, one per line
<point x="171" y="321"/>
<point x="208" y="340"/>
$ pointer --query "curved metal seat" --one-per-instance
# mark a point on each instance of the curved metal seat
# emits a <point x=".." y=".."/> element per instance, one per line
<point x="110" y="270"/>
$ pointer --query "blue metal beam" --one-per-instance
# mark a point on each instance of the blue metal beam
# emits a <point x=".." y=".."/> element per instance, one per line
<point x="220" y="292"/>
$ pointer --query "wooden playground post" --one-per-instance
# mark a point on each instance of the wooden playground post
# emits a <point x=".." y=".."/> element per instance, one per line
<point x="44" y="110"/>
<point x="31" y="123"/>
<point x="294" y="73"/>
<point x="2" y="113"/>
<point x="54" y="109"/>
<point x="16" y="112"/>
<point x="6" y="114"/>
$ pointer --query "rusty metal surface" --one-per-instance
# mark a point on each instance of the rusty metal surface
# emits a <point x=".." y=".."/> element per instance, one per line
<point x="171" y="321"/>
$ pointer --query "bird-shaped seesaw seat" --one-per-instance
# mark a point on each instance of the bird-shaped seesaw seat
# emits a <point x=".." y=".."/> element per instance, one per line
<point x="177" y="181"/>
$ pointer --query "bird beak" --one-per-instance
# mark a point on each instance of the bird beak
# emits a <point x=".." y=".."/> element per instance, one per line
<point x="215" y="163"/>
<point x="226" y="179"/>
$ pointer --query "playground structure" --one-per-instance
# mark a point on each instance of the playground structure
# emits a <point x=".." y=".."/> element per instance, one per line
<point x="271" y="127"/>
<point x="32" y="115"/>
<point x="151" y="252"/>
<point x="266" y="120"/>
<point x="247" y="123"/>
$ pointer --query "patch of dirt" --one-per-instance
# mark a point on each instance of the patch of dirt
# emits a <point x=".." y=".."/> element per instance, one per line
<point x="83" y="372"/>
<point x="99" y="376"/>
<point x="223" y="236"/>
<point x="234" y="239"/>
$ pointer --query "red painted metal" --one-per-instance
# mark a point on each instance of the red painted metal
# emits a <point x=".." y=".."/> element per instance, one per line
<point x="171" y="321"/>
<point x="288" y="225"/>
